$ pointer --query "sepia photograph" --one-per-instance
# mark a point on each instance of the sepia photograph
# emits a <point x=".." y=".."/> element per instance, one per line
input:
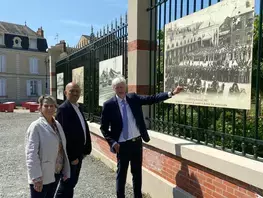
<point x="108" y="70"/>
<point x="78" y="77"/>
<point x="60" y="86"/>
<point x="209" y="54"/>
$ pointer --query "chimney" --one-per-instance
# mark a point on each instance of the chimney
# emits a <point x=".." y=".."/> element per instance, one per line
<point x="40" y="32"/>
<point x="63" y="45"/>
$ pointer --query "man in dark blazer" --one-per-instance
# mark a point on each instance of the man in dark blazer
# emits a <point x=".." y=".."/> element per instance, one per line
<point x="123" y="126"/>
<point x="77" y="133"/>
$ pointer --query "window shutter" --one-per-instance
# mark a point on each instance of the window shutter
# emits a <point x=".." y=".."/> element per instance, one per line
<point x="4" y="87"/>
<point x="28" y="88"/>
<point x="31" y="65"/>
<point x="3" y="63"/>
<point x="35" y="65"/>
<point x="39" y="84"/>
<point x="1" y="87"/>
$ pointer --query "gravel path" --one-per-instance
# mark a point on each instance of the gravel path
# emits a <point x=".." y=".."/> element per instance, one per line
<point x="96" y="179"/>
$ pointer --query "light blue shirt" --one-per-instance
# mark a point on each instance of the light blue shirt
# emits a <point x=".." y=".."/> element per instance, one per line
<point x="133" y="130"/>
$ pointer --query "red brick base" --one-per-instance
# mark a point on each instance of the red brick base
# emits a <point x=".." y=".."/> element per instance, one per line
<point x="141" y="45"/>
<point x="193" y="178"/>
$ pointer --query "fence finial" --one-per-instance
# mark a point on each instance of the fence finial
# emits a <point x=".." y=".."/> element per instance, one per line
<point x="107" y="28"/>
<point x="126" y="18"/>
<point x="121" y="20"/>
<point x="116" y="23"/>
<point x="111" y="25"/>
<point x="100" y="32"/>
<point x="104" y="30"/>
<point x="91" y="29"/>
<point x="97" y="34"/>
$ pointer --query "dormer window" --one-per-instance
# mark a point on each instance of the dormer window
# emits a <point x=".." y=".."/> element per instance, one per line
<point x="17" y="42"/>
<point x="33" y="43"/>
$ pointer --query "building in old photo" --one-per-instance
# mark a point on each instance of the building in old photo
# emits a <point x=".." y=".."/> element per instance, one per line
<point x="209" y="53"/>
<point x="24" y="73"/>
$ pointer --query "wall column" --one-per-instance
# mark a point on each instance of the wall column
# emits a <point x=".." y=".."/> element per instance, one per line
<point x="139" y="46"/>
<point x="139" y="49"/>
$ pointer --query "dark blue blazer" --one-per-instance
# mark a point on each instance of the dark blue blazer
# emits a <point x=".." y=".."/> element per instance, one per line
<point x="69" y="120"/>
<point x="111" y="115"/>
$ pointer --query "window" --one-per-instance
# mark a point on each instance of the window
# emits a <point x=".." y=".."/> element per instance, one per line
<point x="17" y="42"/>
<point x="34" y="87"/>
<point x="33" y="44"/>
<point x="2" y="63"/>
<point x="33" y="62"/>
<point x="2" y="87"/>
<point x="2" y="40"/>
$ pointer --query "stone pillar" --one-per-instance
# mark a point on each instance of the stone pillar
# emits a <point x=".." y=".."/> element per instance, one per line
<point x="139" y="48"/>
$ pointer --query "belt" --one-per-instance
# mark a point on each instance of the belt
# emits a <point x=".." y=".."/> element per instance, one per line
<point x="132" y="140"/>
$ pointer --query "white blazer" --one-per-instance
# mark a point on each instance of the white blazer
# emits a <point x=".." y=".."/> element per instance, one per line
<point x="42" y="144"/>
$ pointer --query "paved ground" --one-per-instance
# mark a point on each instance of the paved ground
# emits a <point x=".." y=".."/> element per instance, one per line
<point x="96" y="179"/>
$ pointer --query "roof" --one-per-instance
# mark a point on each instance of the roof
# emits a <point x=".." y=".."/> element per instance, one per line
<point x="86" y="36"/>
<point x="16" y="29"/>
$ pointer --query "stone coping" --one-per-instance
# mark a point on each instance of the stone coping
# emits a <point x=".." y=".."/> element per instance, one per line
<point x="237" y="167"/>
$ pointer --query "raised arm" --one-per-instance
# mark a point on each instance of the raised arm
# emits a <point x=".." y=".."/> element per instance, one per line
<point x="149" y="100"/>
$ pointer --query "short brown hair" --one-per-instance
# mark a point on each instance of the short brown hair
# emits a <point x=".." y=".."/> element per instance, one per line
<point x="47" y="99"/>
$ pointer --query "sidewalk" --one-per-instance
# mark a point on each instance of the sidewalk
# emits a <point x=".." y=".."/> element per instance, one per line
<point x="96" y="179"/>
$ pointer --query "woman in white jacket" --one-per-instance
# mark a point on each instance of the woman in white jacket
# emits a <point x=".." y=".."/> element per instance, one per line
<point x="46" y="156"/>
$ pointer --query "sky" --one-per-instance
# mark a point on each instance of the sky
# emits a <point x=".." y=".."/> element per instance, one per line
<point x="68" y="19"/>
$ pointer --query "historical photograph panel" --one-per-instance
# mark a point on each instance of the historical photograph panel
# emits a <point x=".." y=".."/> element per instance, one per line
<point x="78" y="77"/>
<point x="108" y="70"/>
<point x="209" y="54"/>
<point x="60" y="86"/>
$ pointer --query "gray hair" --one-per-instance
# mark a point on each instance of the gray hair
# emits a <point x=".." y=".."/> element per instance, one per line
<point x="118" y="80"/>
<point x="47" y="99"/>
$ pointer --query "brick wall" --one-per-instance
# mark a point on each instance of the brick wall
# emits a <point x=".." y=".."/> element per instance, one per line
<point x="193" y="178"/>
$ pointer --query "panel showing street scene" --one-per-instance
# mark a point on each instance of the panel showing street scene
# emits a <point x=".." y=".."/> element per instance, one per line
<point x="78" y="77"/>
<point x="60" y="86"/>
<point x="108" y="70"/>
<point x="209" y="54"/>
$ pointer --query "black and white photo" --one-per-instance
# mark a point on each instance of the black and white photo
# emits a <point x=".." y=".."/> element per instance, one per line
<point x="108" y="70"/>
<point x="78" y="77"/>
<point x="209" y="54"/>
<point x="60" y="86"/>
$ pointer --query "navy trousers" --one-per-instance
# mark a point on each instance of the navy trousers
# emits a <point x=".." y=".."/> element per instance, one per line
<point x="66" y="188"/>
<point x="48" y="190"/>
<point x="130" y="152"/>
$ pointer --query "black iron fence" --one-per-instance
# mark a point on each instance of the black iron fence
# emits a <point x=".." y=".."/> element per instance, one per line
<point x="234" y="130"/>
<point x="108" y="43"/>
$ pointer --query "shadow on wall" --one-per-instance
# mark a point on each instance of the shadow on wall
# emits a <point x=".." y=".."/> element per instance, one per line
<point x="184" y="180"/>
<point x="188" y="182"/>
